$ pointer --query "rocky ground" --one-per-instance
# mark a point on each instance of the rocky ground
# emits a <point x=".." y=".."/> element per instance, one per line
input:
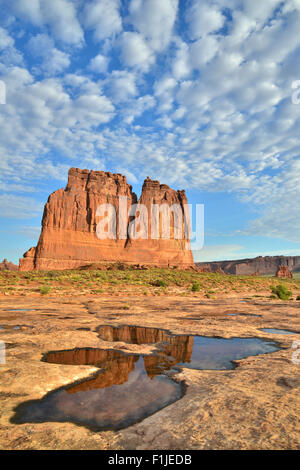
<point x="254" y="406"/>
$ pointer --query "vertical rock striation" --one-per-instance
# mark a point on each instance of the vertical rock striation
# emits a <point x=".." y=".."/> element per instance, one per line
<point x="68" y="238"/>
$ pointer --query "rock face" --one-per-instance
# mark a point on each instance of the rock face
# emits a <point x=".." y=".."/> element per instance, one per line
<point x="283" y="271"/>
<point x="8" y="265"/>
<point x="255" y="266"/>
<point x="69" y="240"/>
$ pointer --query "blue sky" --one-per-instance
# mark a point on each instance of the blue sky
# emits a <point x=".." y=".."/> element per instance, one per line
<point x="194" y="93"/>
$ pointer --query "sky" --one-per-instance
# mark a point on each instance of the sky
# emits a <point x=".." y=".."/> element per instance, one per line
<point x="194" y="93"/>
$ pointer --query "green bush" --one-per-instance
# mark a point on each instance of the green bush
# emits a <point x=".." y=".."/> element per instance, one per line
<point x="45" y="290"/>
<point x="196" y="287"/>
<point x="281" y="292"/>
<point x="160" y="283"/>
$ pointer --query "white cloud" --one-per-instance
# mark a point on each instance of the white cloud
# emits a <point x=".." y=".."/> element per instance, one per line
<point x="279" y="200"/>
<point x="103" y="17"/>
<point x="53" y="61"/>
<point x="8" y="53"/>
<point x="203" y="18"/>
<point x="29" y="10"/>
<point x="135" y="51"/>
<point x="18" y="207"/>
<point x="30" y="232"/>
<point x="138" y="107"/>
<point x="99" y="64"/>
<point x="203" y="50"/>
<point x="181" y="65"/>
<point x="164" y="89"/>
<point x="59" y="15"/>
<point x="216" y="110"/>
<point x="121" y="86"/>
<point x="5" y="39"/>
<point x="154" y="19"/>
<point x="260" y="11"/>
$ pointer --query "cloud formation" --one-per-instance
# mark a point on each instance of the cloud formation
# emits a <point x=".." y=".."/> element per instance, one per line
<point x="196" y="94"/>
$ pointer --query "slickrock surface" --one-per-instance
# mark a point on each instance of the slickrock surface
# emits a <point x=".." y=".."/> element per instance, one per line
<point x="68" y="239"/>
<point x="254" y="406"/>
<point x="283" y="271"/>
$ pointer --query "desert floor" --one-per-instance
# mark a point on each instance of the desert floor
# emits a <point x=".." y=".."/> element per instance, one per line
<point x="254" y="406"/>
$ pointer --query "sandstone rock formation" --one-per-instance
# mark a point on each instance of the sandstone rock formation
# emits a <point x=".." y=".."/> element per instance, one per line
<point x="69" y="240"/>
<point x="283" y="271"/>
<point x="259" y="265"/>
<point x="8" y="265"/>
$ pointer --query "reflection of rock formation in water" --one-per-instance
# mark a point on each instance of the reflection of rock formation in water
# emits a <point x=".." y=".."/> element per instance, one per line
<point x="177" y="350"/>
<point x="117" y="365"/>
<point x="133" y="334"/>
<point x="84" y="356"/>
<point x="116" y="373"/>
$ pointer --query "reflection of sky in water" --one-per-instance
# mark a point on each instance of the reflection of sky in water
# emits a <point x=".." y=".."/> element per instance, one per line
<point x="113" y="407"/>
<point x="19" y="310"/>
<point x="276" y="330"/>
<point x="217" y="353"/>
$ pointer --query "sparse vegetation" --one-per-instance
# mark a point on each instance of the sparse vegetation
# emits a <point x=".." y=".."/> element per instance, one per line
<point x="153" y="281"/>
<point x="281" y="292"/>
<point x="160" y="283"/>
<point x="44" y="290"/>
<point x="196" y="287"/>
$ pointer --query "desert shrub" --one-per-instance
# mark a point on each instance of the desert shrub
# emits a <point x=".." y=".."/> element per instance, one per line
<point x="298" y="297"/>
<point x="159" y="283"/>
<point x="97" y="291"/>
<point x="281" y="292"/>
<point x="45" y="290"/>
<point x="196" y="287"/>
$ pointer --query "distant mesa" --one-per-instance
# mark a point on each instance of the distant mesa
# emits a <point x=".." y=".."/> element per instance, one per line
<point x="6" y="265"/>
<point x="255" y="266"/>
<point x="68" y="238"/>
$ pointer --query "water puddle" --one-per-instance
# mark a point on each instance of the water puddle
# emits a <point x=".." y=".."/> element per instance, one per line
<point x="190" y="318"/>
<point x="19" y="310"/>
<point x="14" y="327"/>
<point x="253" y="315"/>
<point x="130" y="386"/>
<point x="279" y="332"/>
<point x="127" y="391"/>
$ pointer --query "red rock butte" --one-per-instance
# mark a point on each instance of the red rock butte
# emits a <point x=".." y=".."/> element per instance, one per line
<point x="69" y="240"/>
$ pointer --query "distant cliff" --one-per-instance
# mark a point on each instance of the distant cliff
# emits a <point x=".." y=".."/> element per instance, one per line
<point x="259" y="265"/>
